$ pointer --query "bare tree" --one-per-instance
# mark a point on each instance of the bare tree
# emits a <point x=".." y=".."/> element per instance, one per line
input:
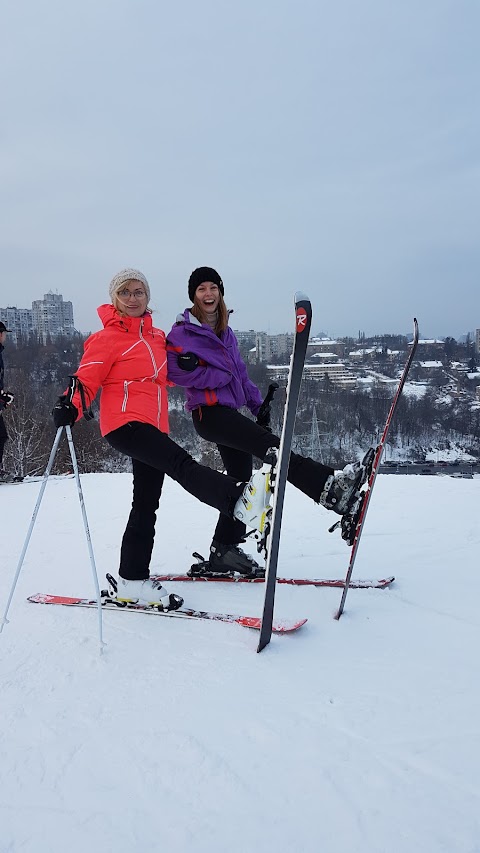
<point x="29" y="429"/>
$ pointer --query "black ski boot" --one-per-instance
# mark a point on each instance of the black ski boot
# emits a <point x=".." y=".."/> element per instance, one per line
<point x="349" y="521"/>
<point x="226" y="560"/>
<point x="341" y="490"/>
<point x="231" y="558"/>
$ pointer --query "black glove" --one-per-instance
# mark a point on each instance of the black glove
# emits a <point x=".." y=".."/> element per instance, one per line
<point x="64" y="413"/>
<point x="187" y="361"/>
<point x="263" y="417"/>
<point x="6" y="398"/>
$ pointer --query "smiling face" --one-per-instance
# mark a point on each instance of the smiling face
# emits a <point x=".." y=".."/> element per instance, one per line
<point x="131" y="298"/>
<point x="207" y="297"/>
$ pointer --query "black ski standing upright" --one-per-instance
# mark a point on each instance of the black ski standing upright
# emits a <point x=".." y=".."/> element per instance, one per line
<point x="375" y="466"/>
<point x="303" y="320"/>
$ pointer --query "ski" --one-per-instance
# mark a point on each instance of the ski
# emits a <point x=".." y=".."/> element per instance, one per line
<point x="362" y="508"/>
<point x="303" y="320"/>
<point x="41" y="477"/>
<point x="34" y="479"/>
<point x="283" y="626"/>
<point x="382" y="583"/>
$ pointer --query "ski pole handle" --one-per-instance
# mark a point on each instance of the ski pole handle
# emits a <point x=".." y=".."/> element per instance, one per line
<point x="263" y="417"/>
<point x="269" y="395"/>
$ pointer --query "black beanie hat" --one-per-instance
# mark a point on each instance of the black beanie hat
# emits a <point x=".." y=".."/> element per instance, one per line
<point x="201" y="275"/>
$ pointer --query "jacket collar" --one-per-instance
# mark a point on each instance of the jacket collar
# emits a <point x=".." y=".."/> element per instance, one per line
<point x="110" y="317"/>
<point x="188" y="317"/>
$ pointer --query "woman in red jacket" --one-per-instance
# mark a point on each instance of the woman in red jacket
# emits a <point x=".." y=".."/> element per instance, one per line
<point x="127" y="359"/>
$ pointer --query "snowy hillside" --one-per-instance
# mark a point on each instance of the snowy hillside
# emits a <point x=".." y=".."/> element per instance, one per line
<point x="361" y="735"/>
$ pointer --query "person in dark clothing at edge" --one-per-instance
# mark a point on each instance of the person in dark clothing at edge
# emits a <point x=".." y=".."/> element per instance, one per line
<point x="127" y="359"/>
<point x="204" y="357"/>
<point x="6" y="400"/>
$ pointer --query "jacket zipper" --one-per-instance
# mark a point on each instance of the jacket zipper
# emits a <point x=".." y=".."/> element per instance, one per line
<point x="156" y="371"/>
<point x="125" y="395"/>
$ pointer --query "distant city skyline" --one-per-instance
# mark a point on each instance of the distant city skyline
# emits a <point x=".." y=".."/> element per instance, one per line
<point x="68" y="312"/>
<point x="268" y="327"/>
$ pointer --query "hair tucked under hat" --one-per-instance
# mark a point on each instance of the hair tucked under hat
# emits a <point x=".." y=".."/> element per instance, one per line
<point x="128" y="274"/>
<point x="200" y="276"/>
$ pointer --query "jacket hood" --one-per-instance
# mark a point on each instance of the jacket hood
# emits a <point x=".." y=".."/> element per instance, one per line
<point x="110" y="317"/>
<point x="187" y="317"/>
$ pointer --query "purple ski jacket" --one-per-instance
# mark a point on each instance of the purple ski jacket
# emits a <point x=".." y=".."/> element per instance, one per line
<point x="221" y="377"/>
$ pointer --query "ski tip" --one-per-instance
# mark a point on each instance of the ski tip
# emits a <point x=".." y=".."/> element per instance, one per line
<point x="44" y="598"/>
<point x="284" y="626"/>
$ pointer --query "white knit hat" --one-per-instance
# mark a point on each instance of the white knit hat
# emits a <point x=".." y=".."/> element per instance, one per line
<point x="127" y="275"/>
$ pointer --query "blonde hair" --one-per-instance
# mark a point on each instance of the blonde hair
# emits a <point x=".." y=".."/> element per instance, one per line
<point x="120" y="286"/>
<point x="222" y="313"/>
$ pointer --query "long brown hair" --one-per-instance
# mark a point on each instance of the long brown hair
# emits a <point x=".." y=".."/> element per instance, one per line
<point x="222" y="314"/>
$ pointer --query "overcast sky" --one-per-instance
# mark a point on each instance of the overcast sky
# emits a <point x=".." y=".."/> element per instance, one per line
<point x="330" y="147"/>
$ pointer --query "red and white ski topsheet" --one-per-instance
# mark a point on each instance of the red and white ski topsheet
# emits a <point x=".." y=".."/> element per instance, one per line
<point x="281" y="626"/>
<point x="356" y="584"/>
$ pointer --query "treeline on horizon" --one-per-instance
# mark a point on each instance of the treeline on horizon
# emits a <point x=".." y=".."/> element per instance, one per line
<point x="333" y="424"/>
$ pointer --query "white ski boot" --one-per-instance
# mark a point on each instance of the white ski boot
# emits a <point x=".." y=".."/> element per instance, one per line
<point x="148" y="593"/>
<point x="253" y="506"/>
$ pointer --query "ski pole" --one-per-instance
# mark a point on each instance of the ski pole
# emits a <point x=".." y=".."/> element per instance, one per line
<point x="73" y="455"/>
<point x="46" y="475"/>
<point x="73" y="385"/>
<point x="88" y="415"/>
<point x="32" y="525"/>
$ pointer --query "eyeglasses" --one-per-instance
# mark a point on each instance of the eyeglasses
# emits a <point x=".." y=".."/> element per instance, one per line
<point x="137" y="294"/>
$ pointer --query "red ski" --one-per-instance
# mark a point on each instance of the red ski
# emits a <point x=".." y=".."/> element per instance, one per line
<point x="357" y="523"/>
<point x="358" y="584"/>
<point x="283" y="626"/>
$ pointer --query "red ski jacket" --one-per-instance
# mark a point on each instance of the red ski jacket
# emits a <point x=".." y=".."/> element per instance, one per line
<point x="127" y="359"/>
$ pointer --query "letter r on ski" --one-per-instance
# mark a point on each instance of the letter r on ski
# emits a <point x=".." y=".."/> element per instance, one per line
<point x="301" y="319"/>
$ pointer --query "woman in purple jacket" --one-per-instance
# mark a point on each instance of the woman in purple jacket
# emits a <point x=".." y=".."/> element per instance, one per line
<point x="203" y="357"/>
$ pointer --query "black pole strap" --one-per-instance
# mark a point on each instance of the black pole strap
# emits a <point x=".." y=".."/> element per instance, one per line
<point x="73" y="385"/>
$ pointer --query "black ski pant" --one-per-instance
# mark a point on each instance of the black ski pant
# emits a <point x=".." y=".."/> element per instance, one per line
<point x="153" y="455"/>
<point x="3" y="438"/>
<point x="238" y="439"/>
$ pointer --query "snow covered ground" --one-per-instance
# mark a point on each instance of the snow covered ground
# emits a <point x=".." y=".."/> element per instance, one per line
<point x="361" y="735"/>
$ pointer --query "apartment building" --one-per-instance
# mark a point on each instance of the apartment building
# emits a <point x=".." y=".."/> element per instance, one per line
<point x="338" y="373"/>
<point x="48" y="317"/>
<point x="270" y="347"/>
<point x="19" y="321"/>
